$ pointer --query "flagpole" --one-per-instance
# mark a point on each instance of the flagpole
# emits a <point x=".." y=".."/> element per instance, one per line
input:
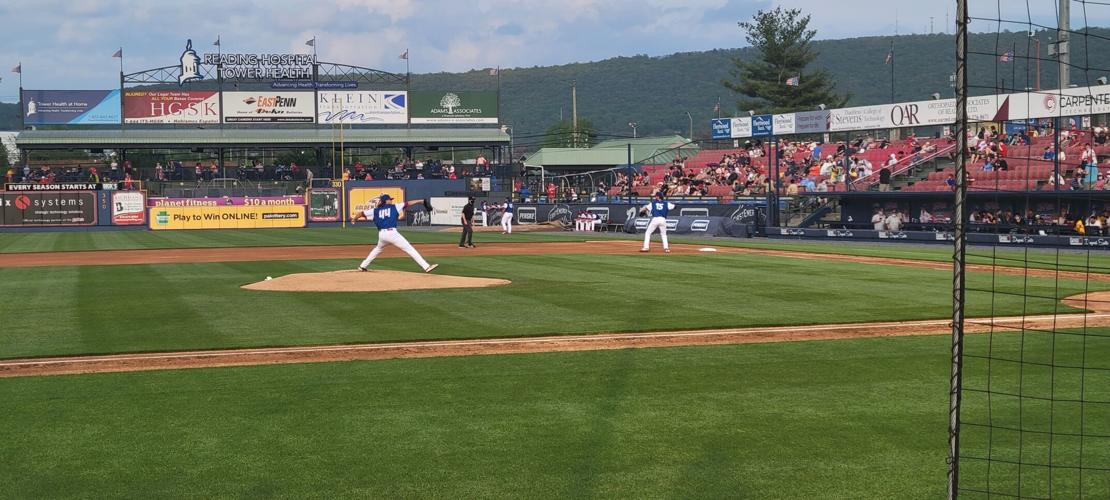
<point x="892" y="71"/>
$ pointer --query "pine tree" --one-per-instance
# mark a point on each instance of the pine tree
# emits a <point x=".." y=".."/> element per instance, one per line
<point x="781" y="39"/>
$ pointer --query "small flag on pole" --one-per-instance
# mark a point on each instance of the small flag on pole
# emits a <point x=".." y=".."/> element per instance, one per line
<point x="889" y="57"/>
<point x="217" y="42"/>
<point x="404" y="55"/>
<point x="793" y="81"/>
<point x="717" y="107"/>
<point x="1007" y="57"/>
<point x="18" y="68"/>
<point x="311" y="42"/>
<point x="119" y="53"/>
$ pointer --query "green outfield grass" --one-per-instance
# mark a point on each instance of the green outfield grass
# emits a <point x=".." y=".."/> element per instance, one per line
<point x="840" y="419"/>
<point x="106" y="309"/>
<point x="1098" y="261"/>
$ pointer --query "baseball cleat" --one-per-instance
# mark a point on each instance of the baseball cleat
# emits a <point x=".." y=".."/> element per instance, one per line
<point x="472" y="245"/>
<point x="431" y="268"/>
<point x="666" y="250"/>
<point x="643" y="250"/>
<point x="462" y="246"/>
<point x="363" y="269"/>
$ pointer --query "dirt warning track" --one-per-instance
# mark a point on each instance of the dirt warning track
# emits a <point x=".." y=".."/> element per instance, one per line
<point x="1098" y="302"/>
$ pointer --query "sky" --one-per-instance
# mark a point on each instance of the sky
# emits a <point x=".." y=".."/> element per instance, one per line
<point x="68" y="44"/>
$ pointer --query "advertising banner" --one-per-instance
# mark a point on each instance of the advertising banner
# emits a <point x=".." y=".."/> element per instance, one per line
<point x="226" y="217"/>
<point x="71" y="107"/>
<point x="859" y="118"/>
<point x="360" y="198"/>
<point x="811" y="122"/>
<point x="721" y="128"/>
<point x="783" y="124"/>
<point x="741" y="127"/>
<point x="250" y="201"/>
<point x="128" y="208"/>
<point x="323" y="205"/>
<point x="453" y="107"/>
<point x="447" y="211"/>
<point x="762" y="125"/>
<point x="63" y="208"/>
<point x="363" y="107"/>
<point x="269" y="107"/>
<point x="171" y="106"/>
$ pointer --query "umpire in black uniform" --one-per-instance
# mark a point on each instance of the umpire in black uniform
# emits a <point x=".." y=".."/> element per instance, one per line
<point x="467" y="239"/>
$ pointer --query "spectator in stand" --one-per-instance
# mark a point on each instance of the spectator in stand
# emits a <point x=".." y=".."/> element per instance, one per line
<point x="894" y="221"/>
<point x="159" y="172"/>
<point x="93" y="176"/>
<point x="10" y="176"/>
<point x="1092" y="174"/>
<point x="950" y="182"/>
<point x="884" y="179"/>
<point x="551" y="192"/>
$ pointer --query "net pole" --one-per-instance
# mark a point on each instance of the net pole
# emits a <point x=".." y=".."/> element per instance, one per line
<point x="959" y="252"/>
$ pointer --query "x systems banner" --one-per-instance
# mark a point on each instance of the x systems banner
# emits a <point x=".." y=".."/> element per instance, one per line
<point x="71" y="107"/>
<point x="171" y="106"/>
<point x="363" y="107"/>
<point x="48" y="208"/>
<point x="453" y="107"/>
<point x="269" y="107"/>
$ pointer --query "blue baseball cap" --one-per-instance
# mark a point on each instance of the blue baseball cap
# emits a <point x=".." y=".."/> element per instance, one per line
<point x="385" y="197"/>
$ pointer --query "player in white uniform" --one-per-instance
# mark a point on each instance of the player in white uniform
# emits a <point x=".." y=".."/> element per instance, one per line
<point x="659" y="209"/>
<point x="385" y="215"/>
<point x="507" y="217"/>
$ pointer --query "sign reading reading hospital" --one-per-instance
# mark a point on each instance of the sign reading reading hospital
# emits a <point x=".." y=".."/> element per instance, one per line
<point x="268" y="107"/>
<point x="363" y="107"/>
<point x="453" y="107"/>
<point x="171" y="106"/>
<point x="71" y="107"/>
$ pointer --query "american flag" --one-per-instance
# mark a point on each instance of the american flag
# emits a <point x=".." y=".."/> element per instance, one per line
<point x="792" y="81"/>
<point x="1007" y="57"/>
<point x="889" y="57"/>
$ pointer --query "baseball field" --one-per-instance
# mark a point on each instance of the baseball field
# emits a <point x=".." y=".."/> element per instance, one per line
<point x="135" y="364"/>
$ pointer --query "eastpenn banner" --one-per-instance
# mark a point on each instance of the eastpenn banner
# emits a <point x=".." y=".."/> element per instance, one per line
<point x="453" y="107"/>
<point x="226" y="217"/>
<point x="71" y="107"/>
<point x="268" y="107"/>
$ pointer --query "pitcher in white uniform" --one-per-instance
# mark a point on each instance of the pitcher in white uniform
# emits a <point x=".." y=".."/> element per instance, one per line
<point x="385" y="215"/>
<point x="659" y="208"/>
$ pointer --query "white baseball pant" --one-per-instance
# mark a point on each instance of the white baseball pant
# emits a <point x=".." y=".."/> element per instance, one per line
<point x="507" y="222"/>
<point x="392" y="237"/>
<point x="659" y="223"/>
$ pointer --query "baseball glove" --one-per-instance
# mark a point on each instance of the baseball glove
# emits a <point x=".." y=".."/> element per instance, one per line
<point x="428" y="204"/>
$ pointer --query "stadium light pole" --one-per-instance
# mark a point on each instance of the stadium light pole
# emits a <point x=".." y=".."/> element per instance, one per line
<point x="633" y="125"/>
<point x="691" y="119"/>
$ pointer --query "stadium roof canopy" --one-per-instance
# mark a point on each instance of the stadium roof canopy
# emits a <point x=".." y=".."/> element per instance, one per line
<point x="614" y="152"/>
<point x="257" y="138"/>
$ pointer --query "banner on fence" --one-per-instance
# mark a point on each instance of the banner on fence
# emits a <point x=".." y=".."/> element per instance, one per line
<point x="128" y="208"/>
<point x="323" y="205"/>
<point x="71" y="107"/>
<point x="447" y="211"/>
<point x="453" y="107"/>
<point x="363" y="107"/>
<point x="226" y="217"/>
<point x="269" y="107"/>
<point x="171" y="106"/>
<point x="361" y="198"/>
<point x="55" y="208"/>
<point x="250" y="201"/>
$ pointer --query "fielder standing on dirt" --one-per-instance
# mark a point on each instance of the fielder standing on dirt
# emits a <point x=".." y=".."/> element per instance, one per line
<point x="385" y="216"/>
<point x="659" y="208"/>
<point x="507" y="217"/>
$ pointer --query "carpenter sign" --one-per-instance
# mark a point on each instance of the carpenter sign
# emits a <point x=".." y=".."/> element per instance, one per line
<point x="65" y="208"/>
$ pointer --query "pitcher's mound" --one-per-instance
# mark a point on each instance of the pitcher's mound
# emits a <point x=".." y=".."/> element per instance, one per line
<point x="372" y="281"/>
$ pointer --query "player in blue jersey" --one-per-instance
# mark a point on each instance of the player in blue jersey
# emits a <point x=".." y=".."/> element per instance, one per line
<point x="385" y="216"/>
<point x="507" y="216"/>
<point x="659" y="209"/>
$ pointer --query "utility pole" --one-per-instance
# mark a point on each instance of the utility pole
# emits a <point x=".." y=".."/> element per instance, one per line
<point x="1062" y="30"/>
<point x="574" y="109"/>
<point x="930" y="25"/>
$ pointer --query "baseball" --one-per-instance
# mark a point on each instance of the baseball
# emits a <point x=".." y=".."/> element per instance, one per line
<point x="268" y="278"/>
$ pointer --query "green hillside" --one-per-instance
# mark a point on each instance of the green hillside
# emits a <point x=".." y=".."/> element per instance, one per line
<point x="657" y="92"/>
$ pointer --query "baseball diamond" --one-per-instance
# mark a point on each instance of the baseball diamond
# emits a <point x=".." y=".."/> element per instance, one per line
<point x="802" y="266"/>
